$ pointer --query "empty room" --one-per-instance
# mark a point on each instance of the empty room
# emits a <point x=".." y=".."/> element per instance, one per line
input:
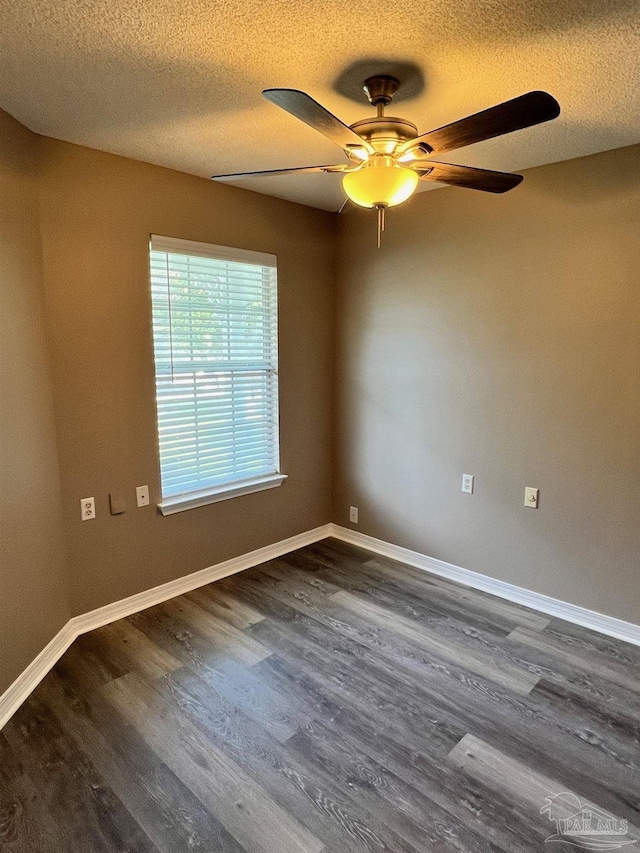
<point x="319" y="427"/>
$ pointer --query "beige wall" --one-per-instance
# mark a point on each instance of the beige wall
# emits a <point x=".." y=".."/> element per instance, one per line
<point x="500" y="336"/>
<point x="33" y="596"/>
<point x="97" y="213"/>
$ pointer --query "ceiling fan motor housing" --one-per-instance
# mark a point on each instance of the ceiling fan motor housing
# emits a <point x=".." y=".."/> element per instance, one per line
<point x="385" y="133"/>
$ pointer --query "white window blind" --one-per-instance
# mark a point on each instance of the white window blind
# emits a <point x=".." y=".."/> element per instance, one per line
<point x="216" y="357"/>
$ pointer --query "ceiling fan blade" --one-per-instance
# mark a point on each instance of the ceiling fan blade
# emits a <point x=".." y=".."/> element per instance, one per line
<point x="524" y="111"/>
<point x="342" y="167"/>
<point x="467" y="176"/>
<point x="303" y="107"/>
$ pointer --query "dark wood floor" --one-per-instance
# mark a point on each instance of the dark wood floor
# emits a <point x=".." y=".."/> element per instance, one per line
<point x="330" y="701"/>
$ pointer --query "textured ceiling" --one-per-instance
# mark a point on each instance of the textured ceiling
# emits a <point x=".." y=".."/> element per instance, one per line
<point x="178" y="82"/>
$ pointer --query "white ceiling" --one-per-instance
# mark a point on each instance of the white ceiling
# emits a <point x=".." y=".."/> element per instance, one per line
<point x="178" y="82"/>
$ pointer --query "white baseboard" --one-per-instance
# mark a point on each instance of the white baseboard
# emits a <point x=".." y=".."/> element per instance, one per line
<point x="29" y="679"/>
<point x="609" y="625"/>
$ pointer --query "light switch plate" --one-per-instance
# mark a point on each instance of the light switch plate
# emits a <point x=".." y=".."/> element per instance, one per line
<point x="467" y="483"/>
<point x="142" y="495"/>
<point x="531" y="497"/>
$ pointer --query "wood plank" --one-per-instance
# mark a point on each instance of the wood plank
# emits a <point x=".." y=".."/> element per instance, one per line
<point x="164" y="807"/>
<point x="303" y="789"/>
<point x="576" y="636"/>
<point x="240" y="803"/>
<point x="529" y="789"/>
<point x="21" y="809"/>
<point x="478" y="810"/>
<point x="216" y="631"/>
<point x="616" y="672"/>
<point x="224" y="606"/>
<point x="350" y="687"/>
<point x="502" y="672"/>
<point x="418" y="819"/>
<point x="255" y="698"/>
<point x="68" y="784"/>
<point x="447" y="593"/>
<point x="176" y="638"/>
<point x="281" y="602"/>
<point x="371" y="684"/>
<point x="128" y="648"/>
<point x="87" y="663"/>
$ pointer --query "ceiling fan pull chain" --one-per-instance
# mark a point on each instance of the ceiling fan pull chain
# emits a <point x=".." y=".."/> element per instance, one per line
<point x="380" y="209"/>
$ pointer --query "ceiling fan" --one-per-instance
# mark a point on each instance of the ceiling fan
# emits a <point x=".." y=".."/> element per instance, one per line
<point x="387" y="157"/>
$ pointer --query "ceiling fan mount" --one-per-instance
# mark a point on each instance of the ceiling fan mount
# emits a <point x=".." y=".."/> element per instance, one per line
<point x="380" y="89"/>
<point x="388" y="157"/>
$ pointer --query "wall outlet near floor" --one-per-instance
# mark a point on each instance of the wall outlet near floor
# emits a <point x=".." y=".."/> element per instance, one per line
<point x="87" y="508"/>
<point x="142" y="495"/>
<point x="531" y="497"/>
<point x="353" y="514"/>
<point x="467" y="483"/>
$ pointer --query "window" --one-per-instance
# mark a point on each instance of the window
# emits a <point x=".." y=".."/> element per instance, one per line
<point x="215" y="333"/>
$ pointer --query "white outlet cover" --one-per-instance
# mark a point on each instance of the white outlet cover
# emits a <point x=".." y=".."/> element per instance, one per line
<point x="142" y="495"/>
<point x="467" y="484"/>
<point x="353" y="514"/>
<point x="531" y="497"/>
<point x="87" y="509"/>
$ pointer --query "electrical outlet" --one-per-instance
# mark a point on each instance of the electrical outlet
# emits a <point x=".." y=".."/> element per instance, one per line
<point x="142" y="495"/>
<point x="467" y="483"/>
<point x="353" y="514"/>
<point x="87" y="508"/>
<point x="531" y="497"/>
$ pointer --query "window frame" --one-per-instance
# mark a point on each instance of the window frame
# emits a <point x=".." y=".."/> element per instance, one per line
<point x="172" y="503"/>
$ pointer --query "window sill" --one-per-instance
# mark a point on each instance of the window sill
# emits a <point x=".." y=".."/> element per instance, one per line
<point x="179" y="503"/>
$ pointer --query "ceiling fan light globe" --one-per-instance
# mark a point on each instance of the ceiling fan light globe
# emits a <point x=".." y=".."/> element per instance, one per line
<point x="380" y="183"/>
